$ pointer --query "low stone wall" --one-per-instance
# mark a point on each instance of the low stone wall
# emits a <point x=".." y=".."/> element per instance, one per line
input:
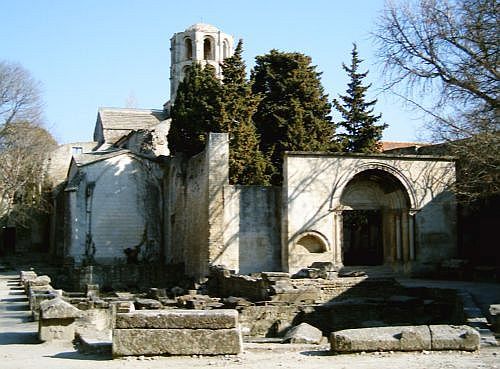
<point x="177" y="332"/>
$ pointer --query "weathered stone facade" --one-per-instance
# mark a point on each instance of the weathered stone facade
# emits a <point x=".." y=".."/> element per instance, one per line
<point x="410" y="195"/>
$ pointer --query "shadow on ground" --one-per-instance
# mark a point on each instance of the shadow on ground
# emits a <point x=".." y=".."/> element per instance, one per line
<point x="317" y="353"/>
<point x="75" y="355"/>
<point x="18" y="338"/>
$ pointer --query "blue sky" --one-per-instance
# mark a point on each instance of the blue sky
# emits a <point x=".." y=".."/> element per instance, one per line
<point x="93" y="53"/>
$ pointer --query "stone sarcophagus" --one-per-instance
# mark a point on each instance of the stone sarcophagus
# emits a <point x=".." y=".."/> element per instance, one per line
<point x="177" y="332"/>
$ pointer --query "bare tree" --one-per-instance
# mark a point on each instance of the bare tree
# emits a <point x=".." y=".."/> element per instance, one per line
<point x="19" y="95"/>
<point x="24" y="146"/>
<point x="444" y="54"/>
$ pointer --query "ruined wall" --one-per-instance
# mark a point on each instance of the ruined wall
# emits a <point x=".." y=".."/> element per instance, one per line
<point x="195" y="207"/>
<point x="115" y="204"/>
<point x="252" y="228"/>
<point x="314" y="184"/>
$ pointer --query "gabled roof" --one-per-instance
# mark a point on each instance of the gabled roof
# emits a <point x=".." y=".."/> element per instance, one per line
<point x="94" y="156"/>
<point x="118" y="122"/>
<point x="391" y="145"/>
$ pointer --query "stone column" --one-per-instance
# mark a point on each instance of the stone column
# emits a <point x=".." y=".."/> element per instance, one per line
<point x="337" y="238"/>
<point x="399" y="243"/>
<point x="411" y="233"/>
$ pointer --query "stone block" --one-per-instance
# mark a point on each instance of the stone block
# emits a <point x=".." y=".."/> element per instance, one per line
<point x="123" y="306"/>
<point x="275" y="276"/>
<point x="35" y="300"/>
<point x="178" y="319"/>
<point x="410" y="338"/>
<point x="176" y="342"/>
<point x="157" y="293"/>
<point x="495" y="317"/>
<point x="303" y="333"/>
<point x="452" y="337"/>
<point x="58" y="309"/>
<point x="56" y="329"/>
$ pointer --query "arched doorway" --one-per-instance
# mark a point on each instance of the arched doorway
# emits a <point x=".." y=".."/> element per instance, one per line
<point x="375" y="208"/>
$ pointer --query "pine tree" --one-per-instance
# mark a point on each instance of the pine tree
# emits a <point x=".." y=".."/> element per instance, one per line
<point x="362" y="132"/>
<point x="293" y="114"/>
<point x="196" y="110"/>
<point x="247" y="164"/>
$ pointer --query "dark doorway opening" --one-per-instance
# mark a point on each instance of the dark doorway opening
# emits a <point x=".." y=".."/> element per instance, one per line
<point x="362" y="232"/>
<point x="8" y="241"/>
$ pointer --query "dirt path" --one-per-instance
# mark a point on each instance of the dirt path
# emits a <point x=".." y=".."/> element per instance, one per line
<point x="19" y="349"/>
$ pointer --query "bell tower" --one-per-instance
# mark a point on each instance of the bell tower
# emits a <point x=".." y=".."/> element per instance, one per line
<point x="202" y="43"/>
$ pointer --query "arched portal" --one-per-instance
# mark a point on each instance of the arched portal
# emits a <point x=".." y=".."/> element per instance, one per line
<point x="375" y="207"/>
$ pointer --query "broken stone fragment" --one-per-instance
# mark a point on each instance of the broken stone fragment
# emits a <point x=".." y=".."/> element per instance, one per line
<point x="495" y="317"/>
<point x="58" y="309"/>
<point x="157" y="293"/>
<point x="354" y="273"/>
<point x="303" y="333"/>
<point x="147" y="304"/>
<point x="312" y="273"/>
<point x="43" y="280"/>
<point x="232" y="302"/>
<point x="326" y="266"/>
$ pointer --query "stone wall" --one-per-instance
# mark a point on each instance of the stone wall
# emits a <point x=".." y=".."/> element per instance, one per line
<point x="195" y="208"/>
<point x="114" y="205"/>
<point x="252" y="228"/>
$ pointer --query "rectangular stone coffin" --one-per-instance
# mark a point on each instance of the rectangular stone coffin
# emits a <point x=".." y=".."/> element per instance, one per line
<point x="177" y="332"/>
<point x="412" y="338"/>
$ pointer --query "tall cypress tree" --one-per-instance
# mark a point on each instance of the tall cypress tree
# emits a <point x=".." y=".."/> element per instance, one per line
<point x="294" y="111"/>
<point x="362" y="132"/>
<point x="247" y="164"/>
<point x="197" y="110"/>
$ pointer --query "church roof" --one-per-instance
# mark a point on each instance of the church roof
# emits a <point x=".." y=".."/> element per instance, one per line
<point x="118" y="122"/>
<point x="203" y="27"/>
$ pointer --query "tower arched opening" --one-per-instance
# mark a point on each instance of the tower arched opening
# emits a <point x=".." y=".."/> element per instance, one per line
<point x="188" y="47"/>
<point x="208" y="52"/>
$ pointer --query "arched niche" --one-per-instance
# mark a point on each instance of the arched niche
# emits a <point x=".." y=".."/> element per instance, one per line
<point x="311" y="242"/>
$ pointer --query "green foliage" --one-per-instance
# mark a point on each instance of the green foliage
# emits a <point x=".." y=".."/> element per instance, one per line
<point x="196" y="110"/>
<point x="362" y="132"/>
<point x="293" y="114"/>
<point x="247" y="164"/>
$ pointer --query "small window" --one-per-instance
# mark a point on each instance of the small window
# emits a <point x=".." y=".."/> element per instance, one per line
<point x="189" y="48"/>
<point x="75" y="150"/>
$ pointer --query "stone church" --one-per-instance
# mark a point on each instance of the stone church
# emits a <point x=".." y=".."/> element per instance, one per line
<point x="123" y="200"/>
